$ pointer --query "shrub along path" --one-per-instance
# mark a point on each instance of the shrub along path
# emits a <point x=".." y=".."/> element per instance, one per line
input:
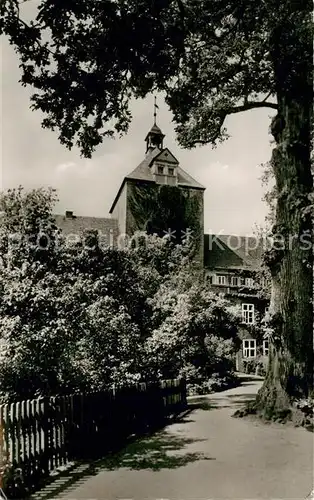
<point x="207" y="455"/>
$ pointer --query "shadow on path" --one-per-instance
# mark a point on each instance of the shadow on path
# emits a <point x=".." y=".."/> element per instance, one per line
<point x="206" y="453"/>
<point x="202" y="404"/>
<point x="223" y="401"/>
<point x="163" y="450"/>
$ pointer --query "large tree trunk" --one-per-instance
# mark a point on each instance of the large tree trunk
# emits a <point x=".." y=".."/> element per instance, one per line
<point x="290" y="371"/>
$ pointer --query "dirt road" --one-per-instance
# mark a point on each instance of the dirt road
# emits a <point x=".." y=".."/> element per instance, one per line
<point x="208" y="455"/>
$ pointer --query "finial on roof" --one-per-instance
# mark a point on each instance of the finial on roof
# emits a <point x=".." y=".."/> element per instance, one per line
<point x="155" y="112"/>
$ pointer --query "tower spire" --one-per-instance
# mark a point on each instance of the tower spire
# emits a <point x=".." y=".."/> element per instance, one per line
<point x="154" y="138"/>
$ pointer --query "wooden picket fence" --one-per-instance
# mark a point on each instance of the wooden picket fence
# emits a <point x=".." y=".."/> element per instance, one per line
<point x="40" y="435"/>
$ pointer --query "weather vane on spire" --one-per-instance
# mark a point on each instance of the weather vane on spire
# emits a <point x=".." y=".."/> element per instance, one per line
<point x="155" y="110"/>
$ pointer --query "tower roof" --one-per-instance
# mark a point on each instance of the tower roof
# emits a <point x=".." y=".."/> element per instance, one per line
<point x="154" y="139"/>
<point x="143" y="173"/>
<point x="155" y="130"/>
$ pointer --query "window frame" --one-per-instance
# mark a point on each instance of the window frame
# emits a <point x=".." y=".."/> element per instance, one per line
<point x="249" y="350"/>
<point x="247" y="309"/>
<point x="171" y="171"/>
<point x="249" y="282"/>
<point x="265" y="348"/>
<point x="236" y="278"/>
<point x="222" y="276"/>
<point x="160" y="170"/>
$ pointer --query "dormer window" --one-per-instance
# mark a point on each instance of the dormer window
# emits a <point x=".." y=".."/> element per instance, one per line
<point x="164" y="168"/>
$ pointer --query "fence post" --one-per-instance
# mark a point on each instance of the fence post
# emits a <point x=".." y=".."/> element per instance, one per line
<point x="46" y="435"/>
<point x="185" y="402"/>
<point x="2" y="459"/>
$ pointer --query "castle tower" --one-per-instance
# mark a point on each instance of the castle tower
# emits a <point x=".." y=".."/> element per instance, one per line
<point x="145" y="183"/>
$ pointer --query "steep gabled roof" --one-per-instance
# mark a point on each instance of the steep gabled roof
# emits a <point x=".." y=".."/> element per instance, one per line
<point x="248" y="248"/>
<point x="232" y="251"/>
<point x="143" y="173"/>
<point x="184" y="179"/>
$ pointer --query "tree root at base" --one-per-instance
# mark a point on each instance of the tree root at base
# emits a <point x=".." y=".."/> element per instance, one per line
<point x="292" y="415"/>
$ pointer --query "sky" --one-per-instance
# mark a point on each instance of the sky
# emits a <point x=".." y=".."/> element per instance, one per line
<point x="33" y="157"/>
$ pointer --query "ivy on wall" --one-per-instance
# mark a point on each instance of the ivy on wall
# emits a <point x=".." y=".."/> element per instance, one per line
<point x="161" y="209"/>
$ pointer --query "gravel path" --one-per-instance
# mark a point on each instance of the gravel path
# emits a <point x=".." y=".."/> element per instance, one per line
<point x="208" y="455"/>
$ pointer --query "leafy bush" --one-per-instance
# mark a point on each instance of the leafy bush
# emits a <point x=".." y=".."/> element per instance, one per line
<point x="185" y="341"/>
<point x="70" y="329"/>
<point x="217" y="382"/>
<point x="254" y="366"/>
<point x="78" y="317"/>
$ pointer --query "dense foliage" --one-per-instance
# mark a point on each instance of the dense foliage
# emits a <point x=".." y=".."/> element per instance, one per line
<point x="212" y="58"/>
<point x="156" y="208"/>
<point x="195" y="329"/>
<point x="77" y="316"/>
